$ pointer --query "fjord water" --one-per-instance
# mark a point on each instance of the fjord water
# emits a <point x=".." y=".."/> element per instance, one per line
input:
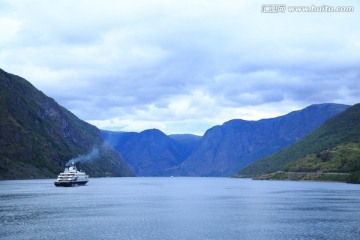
<point x="179" y="208"/>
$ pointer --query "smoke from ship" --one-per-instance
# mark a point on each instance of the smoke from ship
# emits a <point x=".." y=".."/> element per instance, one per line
<point x="93" y="154"/>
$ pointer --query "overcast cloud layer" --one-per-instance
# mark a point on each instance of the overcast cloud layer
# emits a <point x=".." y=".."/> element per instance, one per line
<point x="181" y="66"/>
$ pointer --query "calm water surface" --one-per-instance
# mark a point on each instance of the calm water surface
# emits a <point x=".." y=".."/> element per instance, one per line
<point x="179" y="208"/>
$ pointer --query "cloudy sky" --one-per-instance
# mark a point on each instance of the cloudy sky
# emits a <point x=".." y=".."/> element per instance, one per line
<point x="181" y="66"/>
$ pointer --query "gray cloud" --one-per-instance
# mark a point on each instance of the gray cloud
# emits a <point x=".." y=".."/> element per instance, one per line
<point x="133" y="65"/>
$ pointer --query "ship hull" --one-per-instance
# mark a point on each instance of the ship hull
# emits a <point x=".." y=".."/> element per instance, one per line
<point x="69" y="183"/>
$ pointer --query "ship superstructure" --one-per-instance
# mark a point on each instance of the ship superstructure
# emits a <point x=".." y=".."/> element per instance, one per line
<point x="71" y="177"/>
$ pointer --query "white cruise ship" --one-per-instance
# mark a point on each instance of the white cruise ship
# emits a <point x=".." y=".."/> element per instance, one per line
<point x="71" y="177"/>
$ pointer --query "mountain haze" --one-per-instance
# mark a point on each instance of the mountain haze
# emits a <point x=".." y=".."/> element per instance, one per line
<point x="151" y="152"/>
<point x="189" y="141"/>
<point x="38" y="136"/>
<point x="226" y="149"/>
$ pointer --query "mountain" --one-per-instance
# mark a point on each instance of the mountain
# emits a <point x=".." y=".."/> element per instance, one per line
<point x="189" y="141"/>
<point x="226" y="149"/>
<point x="334" y="147"/>
<point x="151" y="152"/>
<point x="38" y="136"/>
<point x="117" y="139"/>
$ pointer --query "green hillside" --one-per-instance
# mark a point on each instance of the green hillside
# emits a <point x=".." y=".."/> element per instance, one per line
<point x="343" y="158"/>
<point x="38" y="136"/>
<point x="334" y="147"/>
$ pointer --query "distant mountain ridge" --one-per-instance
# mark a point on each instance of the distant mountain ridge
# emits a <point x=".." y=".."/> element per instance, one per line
<point x="334" y="147"/>
<point x="189" y="141"/>
<point x="223" y="150"/>
<point x="151" y="152"/>
<point x="38" y="136"/>
<point x="226" y="149"/>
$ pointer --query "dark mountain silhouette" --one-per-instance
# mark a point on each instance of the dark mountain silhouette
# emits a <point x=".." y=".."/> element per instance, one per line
<point x="38" y="136"/>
